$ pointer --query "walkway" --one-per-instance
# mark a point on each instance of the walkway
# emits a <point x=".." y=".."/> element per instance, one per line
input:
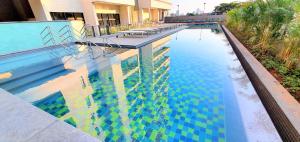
<point x="133" y="42"/>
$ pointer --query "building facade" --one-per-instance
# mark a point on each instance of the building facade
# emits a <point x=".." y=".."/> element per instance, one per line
<point x="101" y="12"/>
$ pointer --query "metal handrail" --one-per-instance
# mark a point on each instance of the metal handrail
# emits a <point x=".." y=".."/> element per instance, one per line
<point x="52" y="38"/>
<point x="76" y="36"/>
<point x="48" y="34"/>
<point x="65" y="26"/>
<point x="47" y="27"/>
<point x="82" y="31"/>
<point x="81" y="36"/>
<point x="105" y="40"/>
<point x="45" y="43"/>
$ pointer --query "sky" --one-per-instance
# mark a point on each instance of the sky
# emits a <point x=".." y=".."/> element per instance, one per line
<point x="192" y="5"/>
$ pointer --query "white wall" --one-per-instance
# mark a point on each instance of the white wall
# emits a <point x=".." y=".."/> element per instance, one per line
<point x="107" y="8"/>
<point x="63" y="5"/>
<point x="162" y="4"/>
<point x="38" y="10"/>
<point x="89" y="13"/>
<point x="125" y="15"/>
<point x="42" y="8"/>
<point x="123" y="2"/>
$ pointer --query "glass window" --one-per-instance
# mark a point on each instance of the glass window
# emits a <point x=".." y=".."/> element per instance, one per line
<point x="70" y="16"/>
<point x="57" y="16"/>
<point x="108" y="19"/>
<point x="67" y="16"/>
<point x="78" y="16"/>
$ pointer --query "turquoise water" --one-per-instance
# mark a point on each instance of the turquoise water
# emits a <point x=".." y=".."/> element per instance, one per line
<point x="175" y="89"/>
<point x="18" y="36"/>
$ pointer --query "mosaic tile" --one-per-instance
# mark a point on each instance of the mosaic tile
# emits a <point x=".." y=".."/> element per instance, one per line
<point x="176" y="95"/>
<point x="54" y="104"/>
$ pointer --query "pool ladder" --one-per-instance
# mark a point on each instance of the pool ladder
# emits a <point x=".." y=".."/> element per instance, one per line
<point x="69" y="36"/>
<point x="106" y="40"/>
<point x="50" y="39"/>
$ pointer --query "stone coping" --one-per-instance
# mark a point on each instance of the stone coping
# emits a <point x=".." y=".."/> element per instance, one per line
<point x="283" y="109"/>
<point x="22" y="122"/>
<point x="129" y="43"/>
<point x="35" y="50"/>
<point x="133" y="43"/>
<point x="14" y="22"/>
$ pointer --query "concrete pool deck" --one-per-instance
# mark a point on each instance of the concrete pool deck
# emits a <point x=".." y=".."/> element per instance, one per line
<point x="283" y="109"/>
<point x="22" y="122"/>
<point x="132" y="43"/>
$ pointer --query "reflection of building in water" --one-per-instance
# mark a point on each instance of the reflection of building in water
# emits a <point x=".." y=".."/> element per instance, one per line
<point x="110" y="96"/>
<point x="215" y="28"/>
<point x="148" y="110"/>
<point x="68" y="97"/>
<point x="205" y="26"/>
<point x="118" y="98"/>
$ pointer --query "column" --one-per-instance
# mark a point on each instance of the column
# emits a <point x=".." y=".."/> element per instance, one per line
<point x="39" y="10"/>
<point x="141" y="13"/>
<point x="121" y="93"/>
<point x="150" y="14"/>
<point x="125" y="15"/>
<point x="90" y="15"/>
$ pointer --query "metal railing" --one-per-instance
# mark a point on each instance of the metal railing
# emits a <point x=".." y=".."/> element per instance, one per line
<point x="47" y="36"/>
<point x="107" y="30"/>
<point x="71" y="39"/>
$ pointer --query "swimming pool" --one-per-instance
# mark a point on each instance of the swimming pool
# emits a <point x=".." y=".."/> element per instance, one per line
<point x="185" y="87"/>
<point x="18" y="36"/>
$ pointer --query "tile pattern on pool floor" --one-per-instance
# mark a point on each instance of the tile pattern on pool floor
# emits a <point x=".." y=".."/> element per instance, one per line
<point x="175" y="89"/>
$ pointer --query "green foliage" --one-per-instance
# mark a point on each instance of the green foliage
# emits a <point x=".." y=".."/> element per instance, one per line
<point x="190" y="14"/>
<point x="225" y="7"/>
<point x="291" y="77"/>
<point x="264" y="23"/>
<point x="293" y="83"/>
<point x="270" y="63"/>
<point x="271" y="28"/>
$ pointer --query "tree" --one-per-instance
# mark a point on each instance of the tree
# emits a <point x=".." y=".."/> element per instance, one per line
<point x="190" y="14"/>
<point x="225" y="7"/>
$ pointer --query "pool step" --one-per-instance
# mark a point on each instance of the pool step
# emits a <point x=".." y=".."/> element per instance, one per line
<point x="32" y="69"/>
<point x="35" y="75"/>
<point x="38" y="82"/>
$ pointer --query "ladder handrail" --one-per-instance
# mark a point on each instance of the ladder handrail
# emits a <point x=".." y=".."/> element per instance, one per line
<point x="63" y="28"/>
<point x="105" y="40"/>
<point x="74" y="31"/>
<point x="52" y="38"/>
<point x="74" y="38"/>
<point x="48" y="34"/>
<point x="72" y="35"/>
<point x="47" y="27"/>
<point x="43" y="37"/>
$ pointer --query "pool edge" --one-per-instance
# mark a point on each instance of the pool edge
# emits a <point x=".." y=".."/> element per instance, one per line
<point x="22" y="121"/>
<point x="279" y="103"/>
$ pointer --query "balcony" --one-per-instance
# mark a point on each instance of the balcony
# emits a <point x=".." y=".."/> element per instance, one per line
<point x="117" y="2"/>
<point x="160" y="4"/>
<point x="159" y="53"/>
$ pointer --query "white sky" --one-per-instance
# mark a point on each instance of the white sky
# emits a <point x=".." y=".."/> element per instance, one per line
<point x="192" y="5"/>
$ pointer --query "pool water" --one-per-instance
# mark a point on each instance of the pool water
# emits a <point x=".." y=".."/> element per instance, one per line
<point x="18" y="36"/>
<point x="175" y="89"/>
